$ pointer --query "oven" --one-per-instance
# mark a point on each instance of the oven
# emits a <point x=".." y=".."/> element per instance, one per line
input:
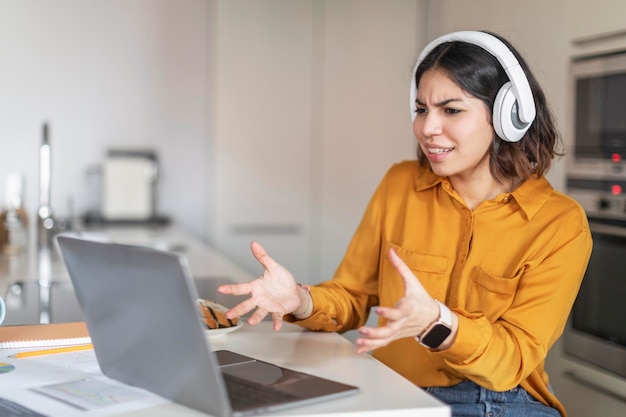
<point x="596" y="330"/>
<point x="596" y="178"/>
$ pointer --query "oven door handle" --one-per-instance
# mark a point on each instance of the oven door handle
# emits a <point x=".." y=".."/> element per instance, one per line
<point x="607" y="229"/>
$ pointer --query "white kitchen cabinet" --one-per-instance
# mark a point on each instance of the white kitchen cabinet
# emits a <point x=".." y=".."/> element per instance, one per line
<point x="262" y="128"/>
<point x="308" y="106"/>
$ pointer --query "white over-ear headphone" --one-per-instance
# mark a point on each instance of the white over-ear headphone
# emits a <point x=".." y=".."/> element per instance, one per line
<point x="514" y="107"/>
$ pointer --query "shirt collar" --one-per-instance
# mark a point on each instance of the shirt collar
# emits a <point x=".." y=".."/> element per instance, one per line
<point x="426" y="179"/>
<point x="531" y="195"/>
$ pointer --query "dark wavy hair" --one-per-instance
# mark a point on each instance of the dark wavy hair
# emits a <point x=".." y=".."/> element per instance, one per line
<point x="480" y="74"/>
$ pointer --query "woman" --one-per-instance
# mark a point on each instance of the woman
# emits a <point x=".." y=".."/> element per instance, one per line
<point x="471" y="257"/>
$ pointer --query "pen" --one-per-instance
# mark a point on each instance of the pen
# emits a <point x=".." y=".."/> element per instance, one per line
<point x="52" y="351"/>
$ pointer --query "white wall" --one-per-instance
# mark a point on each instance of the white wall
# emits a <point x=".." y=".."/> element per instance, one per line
<point x="102" y="74"/>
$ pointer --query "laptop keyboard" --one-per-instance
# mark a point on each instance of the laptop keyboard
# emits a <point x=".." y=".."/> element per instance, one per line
<point x="245" y="394"/>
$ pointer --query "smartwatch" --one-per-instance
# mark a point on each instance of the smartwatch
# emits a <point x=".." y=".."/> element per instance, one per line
<point x="438" y="331"/>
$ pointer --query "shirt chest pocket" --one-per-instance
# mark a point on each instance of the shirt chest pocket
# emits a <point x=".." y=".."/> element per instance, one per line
<point x="490" y="294"/>
<point x="429" y="269"/>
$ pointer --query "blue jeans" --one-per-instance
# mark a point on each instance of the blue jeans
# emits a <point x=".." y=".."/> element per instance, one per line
<point x="468" y="399"/>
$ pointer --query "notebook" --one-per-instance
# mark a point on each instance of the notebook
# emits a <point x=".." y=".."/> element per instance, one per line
<point x="139" y="306"/>
<point x="44" y="335"/>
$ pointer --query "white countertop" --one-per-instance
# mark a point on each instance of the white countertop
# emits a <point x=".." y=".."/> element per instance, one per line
<point x="382" y="392"/>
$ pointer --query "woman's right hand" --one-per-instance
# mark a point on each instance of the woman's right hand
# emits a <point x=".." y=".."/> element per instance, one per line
<point x="275" y="292"/>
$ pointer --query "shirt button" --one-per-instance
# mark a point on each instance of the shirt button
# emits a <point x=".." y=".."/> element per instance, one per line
<point x="505" y="199"/>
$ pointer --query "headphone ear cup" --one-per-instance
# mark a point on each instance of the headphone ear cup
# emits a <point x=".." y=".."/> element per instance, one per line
<point x="505" y="120"/>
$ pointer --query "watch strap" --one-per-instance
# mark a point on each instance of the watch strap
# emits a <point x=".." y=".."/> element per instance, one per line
<point x="444" y="319"/>
<point x="445" y="316"/>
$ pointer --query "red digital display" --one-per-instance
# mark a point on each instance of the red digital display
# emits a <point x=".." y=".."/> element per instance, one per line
<point x="616" y="189"/>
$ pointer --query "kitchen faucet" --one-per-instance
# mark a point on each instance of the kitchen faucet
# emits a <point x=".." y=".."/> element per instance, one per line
<point x="45" y="221"/>
<point x="45" y="226"/>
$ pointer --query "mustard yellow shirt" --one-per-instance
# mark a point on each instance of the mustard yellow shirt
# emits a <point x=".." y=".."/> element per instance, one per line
<point x="510" y="269"/>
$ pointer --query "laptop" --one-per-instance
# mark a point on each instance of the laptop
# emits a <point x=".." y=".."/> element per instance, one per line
<point x="140" y="308"/>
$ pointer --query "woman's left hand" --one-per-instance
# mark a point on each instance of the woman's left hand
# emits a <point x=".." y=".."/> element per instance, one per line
<point x="407" y="318"/>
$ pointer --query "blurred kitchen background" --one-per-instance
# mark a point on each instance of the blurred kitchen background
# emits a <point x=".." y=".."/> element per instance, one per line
<point x="271" y="120"/>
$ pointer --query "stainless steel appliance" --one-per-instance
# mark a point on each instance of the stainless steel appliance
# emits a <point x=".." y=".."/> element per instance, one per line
<point x="596" y="177"/>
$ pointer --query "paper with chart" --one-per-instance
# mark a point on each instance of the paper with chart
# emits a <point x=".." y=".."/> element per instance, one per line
<point x="89" y="394"/>
<point x="68" y="385"/>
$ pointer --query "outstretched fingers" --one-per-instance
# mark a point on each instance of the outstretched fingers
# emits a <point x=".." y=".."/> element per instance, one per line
<point x="264" y="259"/>
<point x="274" y="292"/>
<point x="277" y="319"/>
<point x="258" y="316"/>
<point x="411" y="283"/>
<point x="235" y="289"/>
<point x="242" y="308"/>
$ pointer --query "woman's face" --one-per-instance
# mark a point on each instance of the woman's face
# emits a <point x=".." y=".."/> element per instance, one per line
<point x="453" y="128"/>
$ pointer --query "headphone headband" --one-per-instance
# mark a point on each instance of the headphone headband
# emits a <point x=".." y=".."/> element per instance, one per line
<point x="519" y="86"/>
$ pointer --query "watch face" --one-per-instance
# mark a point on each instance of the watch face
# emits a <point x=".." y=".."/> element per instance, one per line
<point x="436" y="336"/>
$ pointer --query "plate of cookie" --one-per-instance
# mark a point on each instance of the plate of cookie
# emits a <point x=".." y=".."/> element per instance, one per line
<point x="213" y="316"/>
